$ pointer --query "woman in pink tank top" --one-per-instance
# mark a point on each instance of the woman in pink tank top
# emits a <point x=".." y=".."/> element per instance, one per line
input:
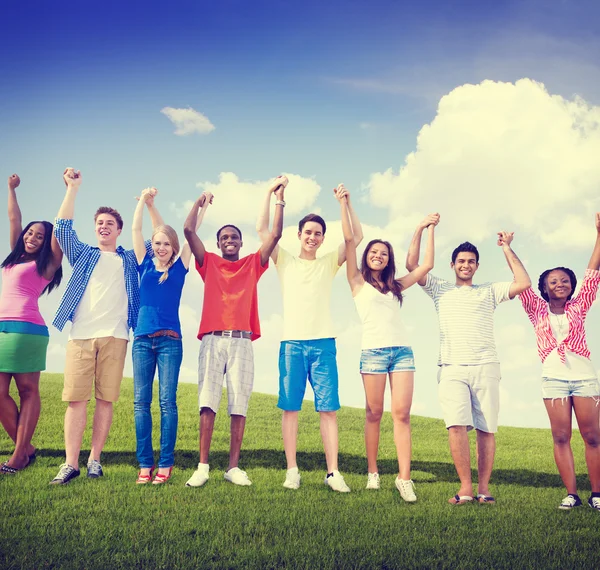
<point x="32" y="268"/>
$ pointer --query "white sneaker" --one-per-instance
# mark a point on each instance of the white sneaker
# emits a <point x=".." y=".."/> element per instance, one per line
<point x="372" y="480"/>
<point x="238" y="477"/>
<point x="337" y="483"/>
<point x="292" y="479"/>
<point x="569" y="502"/>
<point x="407" y="489"/>
<point x="199" y="477"/>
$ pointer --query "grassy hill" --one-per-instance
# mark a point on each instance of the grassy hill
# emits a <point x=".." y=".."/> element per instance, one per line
<point x="111" y="522"/>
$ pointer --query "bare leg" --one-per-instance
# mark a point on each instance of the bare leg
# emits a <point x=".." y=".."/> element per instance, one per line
<point x="486" y="450"/>
<point x="559" y="412"/>
<point x="461" y="455"/>
<point x="207" y="424"/>
<point x="289" y="430"/>
<point x="238" y="424"/>
<point x="75" y="420"/>
<point x="402" y="384"/>
<point x="329" y="435"/>
<point x="588" y="413"/>
<point x="29" y="394"/>
<point x="102" y="421"/>
<point x="9" y="412"/>
<point x="374" y="392"/>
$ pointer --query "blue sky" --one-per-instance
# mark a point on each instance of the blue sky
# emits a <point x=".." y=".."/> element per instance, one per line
<point x="327" y="92"/>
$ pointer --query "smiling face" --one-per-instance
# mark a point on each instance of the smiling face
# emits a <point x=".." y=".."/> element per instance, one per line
<point x="107" y="230"/>
<point x="311" y="238"/>
<point x="558" y="285"/>
<point x="33" y="239"/>
<point x="162" y="248"/>
<point x="378" y="256"/>
<point x="229" y="243"/>
<point x="465" y="267"/>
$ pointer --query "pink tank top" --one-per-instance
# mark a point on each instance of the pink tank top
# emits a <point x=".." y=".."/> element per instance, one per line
<point x="22" y="286"/>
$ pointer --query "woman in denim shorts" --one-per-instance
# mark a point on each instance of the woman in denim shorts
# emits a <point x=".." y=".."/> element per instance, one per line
<point x="386" y="348"/>
<point x="569" y="381"/>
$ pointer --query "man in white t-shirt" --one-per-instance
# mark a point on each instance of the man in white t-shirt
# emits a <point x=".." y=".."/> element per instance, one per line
<point x="308" y="348"/>
<point x="102" y="301"/>
<point x="469" y="374"/>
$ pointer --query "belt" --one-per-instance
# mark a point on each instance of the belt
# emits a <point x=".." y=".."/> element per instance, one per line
<point x="164" y="333"/>
<point x="232" y="334"/>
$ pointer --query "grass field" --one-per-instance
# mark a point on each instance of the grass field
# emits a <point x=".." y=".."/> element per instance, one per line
<point x="112" y="523"/>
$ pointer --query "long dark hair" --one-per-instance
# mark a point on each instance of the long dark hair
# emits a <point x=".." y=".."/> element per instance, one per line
<point x="43" y="257"/>
<point x="544" y="277"/>
<point x="388" y="275"/>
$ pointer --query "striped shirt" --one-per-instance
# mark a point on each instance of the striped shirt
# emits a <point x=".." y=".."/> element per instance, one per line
<point x="576" y="310"/>
<point x="466" y="317"/>
<point x="83" y="259"/>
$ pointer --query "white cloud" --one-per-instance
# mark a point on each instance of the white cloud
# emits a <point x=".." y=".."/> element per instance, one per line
<point x="502" y="155"/>
<point x="188" y="121"/>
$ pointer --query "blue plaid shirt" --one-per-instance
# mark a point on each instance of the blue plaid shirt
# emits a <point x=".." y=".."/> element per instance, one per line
<point x="83" y="259"/>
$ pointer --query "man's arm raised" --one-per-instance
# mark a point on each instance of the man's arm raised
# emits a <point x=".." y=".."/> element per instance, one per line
<point x="192" y="223"/>
<point x="414" y="249"/>
<point x="269" y="243"/>
<point x="262" y="223"/>
<point x="355" y="279"/>
<point x="72" y="180"/>
<point x="419" y="273"/>
<point x="356" y="227"/>
<point x="522" y="280"/>
<point x="139" y="246"/>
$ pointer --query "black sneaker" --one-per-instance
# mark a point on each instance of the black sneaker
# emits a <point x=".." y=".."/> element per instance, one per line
<point x="94" y="469"/>
<point x="570" y="502"/>
<point x="65" y="474"/>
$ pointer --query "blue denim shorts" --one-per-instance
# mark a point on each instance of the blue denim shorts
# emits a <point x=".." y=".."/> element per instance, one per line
<point x="553" y="388"/>
<point x="389" y="359"/>
<point x="314" y="360"/>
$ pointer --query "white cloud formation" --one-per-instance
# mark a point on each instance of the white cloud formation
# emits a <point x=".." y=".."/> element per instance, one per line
<point x="188" y="121"/>
<point x="502" y="155"/>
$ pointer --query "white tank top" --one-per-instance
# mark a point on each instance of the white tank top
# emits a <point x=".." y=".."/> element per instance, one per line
<point x="380" y="316"/>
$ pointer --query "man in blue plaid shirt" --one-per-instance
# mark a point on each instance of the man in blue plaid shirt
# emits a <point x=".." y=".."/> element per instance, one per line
<point x="102" y="301"/>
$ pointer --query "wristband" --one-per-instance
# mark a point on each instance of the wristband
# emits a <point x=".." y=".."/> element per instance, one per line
<point x="280" y="203"/>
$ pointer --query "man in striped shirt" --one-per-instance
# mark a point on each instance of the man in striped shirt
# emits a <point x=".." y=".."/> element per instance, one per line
<point x="469" y="374"/>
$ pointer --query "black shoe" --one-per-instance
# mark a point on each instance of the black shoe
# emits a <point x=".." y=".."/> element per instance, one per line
<point x="65" y="474"/>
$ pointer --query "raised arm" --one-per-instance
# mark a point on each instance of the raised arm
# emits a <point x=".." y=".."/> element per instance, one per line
<point x="355" y="279"/>
<point x="356" y="228"/>
<point x="521" y="278"/>
<point x="14" y="212"/>
<point x="595" y="259"/>
<point x="186" y="252"/>
<point x="262" y="223"/>
<point x="155" y="216"/>
<point x="139" y="246"/>
<point x="72" y="180"/>
<point x="419" y="273"/>
<point x="414" y="249"/>
<point x="270" y="239"/>
<point x="192" y="223"/>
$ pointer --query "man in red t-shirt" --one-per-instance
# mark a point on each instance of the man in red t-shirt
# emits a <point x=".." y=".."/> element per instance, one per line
<point x="228" y="326"/>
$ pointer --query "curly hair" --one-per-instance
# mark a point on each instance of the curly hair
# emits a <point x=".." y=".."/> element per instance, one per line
<point x="544" y="276"/>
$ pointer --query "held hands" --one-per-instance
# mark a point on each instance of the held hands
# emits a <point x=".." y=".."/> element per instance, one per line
<point x="206" y="196"/>
<point x="13" y="181"/>
<point x="279" y="186"/>
<point x="72" y="178"/>
<point x="505" y="238"/>
<point x="597" y="217"/>
<point x="341" y="192"/>
<point x="430" y="220"/>
<point x="148" y="195"/>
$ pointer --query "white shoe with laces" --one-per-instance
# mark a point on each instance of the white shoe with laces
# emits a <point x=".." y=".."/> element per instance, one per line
<point x="336" y="482"/>
<point x="407" y="489"/>
<point x="373" y="481"/>
<point x="594" y="502"/>
<point x="569" y="502"/>
<point x="238" y="477"/>
<point x="292" y="479"/>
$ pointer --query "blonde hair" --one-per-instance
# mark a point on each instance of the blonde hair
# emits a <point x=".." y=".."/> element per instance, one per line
<point x="174" y="241"/>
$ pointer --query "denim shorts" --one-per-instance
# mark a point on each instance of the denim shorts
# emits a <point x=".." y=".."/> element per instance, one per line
<point x="314" y="360"/>
<point x="389" y="359"/>
<point x="553" y="388"/>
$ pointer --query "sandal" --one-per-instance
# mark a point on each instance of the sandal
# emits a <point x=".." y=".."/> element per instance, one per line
<point x="6" y="469"/>
<point x="460" y="500"/>
<point x="143" y="479"/>
<point x="162" y="478"/>
<point x="485" y="499"/>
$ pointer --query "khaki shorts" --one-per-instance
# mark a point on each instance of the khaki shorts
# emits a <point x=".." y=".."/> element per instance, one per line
<point x="98" y="361"/>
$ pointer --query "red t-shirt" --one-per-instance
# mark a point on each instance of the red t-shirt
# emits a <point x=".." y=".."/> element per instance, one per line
<point x="230" y="296"/>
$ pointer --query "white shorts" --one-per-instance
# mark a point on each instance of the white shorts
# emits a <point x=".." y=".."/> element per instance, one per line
<point x="230" y="358"/>
<point x="470" y="395"/>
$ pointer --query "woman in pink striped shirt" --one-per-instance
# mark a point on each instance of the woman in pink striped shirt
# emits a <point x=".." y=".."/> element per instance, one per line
<point x="569" y="380"/>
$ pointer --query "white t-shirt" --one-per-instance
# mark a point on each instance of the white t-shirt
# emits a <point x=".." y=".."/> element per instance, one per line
<point x="380" y="315"/>
<point x="466" y="316"/>
<point x="102" y="310"/>
<point x="306" y="290"/>
<point x="575" y="367"/>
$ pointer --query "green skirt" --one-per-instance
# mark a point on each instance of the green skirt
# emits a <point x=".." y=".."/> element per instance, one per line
<point x="22" y="347"/>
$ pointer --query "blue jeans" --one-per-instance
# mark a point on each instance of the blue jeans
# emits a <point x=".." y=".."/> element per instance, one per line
<point x="147" y="353"/>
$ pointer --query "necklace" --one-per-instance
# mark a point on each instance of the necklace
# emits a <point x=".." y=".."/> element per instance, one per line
<point x="562" y="324"/>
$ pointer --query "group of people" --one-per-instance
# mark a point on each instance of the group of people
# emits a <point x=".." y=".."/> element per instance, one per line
<point x="113" y="291"/>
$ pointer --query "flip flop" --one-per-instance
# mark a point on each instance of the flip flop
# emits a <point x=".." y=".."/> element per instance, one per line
<point x="460" y="500"/>
<point x="5" y="469"/>
<point x="485" y="499"/>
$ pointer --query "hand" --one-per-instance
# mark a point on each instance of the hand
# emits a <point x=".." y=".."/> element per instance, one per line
<point x="505" y="238"/>
<point x="280" y="183"/>
<point x="13" y="181"/>
<point x="430" y="219"/>
<point x="597" y="214"/>
<point x="206" y="196"/>
<point x="72" y="178"/>
<point x="148" y="195"/>
<point x="341" y="192"/>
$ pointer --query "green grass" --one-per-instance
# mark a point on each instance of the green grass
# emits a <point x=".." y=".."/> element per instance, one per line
<point x="111" y="522"/>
